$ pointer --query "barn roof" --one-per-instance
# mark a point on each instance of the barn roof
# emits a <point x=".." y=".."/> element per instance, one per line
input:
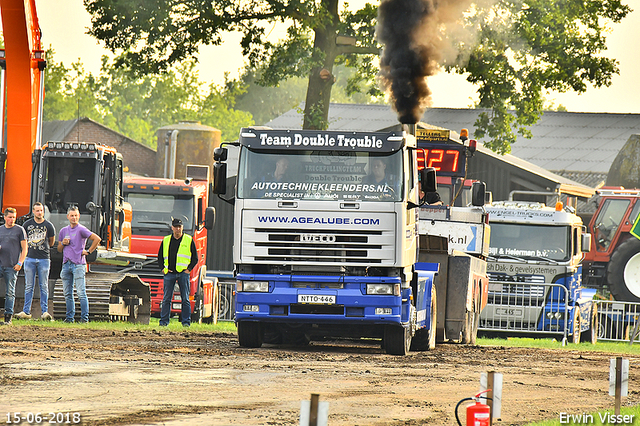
<point x="562" y="142"/>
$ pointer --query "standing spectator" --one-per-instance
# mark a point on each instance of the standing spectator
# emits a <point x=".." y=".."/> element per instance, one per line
<point x="177" y="256"/>
<point x="71" y="243"/>
<point x="40" y="237"/>
<point x="13" y="250"/>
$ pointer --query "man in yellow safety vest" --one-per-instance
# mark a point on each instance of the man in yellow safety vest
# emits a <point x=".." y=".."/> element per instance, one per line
<point x="177" y="256"/>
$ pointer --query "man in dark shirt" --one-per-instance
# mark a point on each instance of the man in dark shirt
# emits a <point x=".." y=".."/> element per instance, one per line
<point x="177" y="256"/>
<point x="41" y="235"/>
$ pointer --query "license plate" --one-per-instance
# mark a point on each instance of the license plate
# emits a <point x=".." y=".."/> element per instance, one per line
<point x="495" y="287"/>
<point x="317" y="299"/>
<point x="511" y="312"/>
<point x="176" y="305"/>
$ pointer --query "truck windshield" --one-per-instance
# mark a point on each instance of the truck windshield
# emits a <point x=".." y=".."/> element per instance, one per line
<point x="530" y="241"/>
<point x="320" y="175"/>
<point x="152" y="213"/>
<point x="608" y="221"/>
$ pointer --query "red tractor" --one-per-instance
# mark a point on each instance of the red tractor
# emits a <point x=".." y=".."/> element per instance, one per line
<point x="613" y="263"/>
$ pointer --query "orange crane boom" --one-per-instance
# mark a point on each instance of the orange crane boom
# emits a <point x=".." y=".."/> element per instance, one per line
<point x="24" y="86"/>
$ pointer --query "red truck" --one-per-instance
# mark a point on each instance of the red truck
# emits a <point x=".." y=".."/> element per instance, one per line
<point x="154" y="202"/>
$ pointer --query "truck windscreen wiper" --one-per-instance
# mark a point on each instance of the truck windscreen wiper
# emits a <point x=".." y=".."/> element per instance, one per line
<point x="162" y="225"/>
<point x="545" y="259"/>
<point x="508" y="256"/>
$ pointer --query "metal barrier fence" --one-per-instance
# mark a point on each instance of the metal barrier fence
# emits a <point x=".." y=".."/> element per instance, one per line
<point x="226" y="311"/>
<point x="521" y="307"/>
<point x="617" y="321"/>
<point x="227" y="291"/>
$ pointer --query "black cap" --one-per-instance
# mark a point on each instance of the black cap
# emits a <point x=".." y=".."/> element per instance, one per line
<point x="176" y="222"/>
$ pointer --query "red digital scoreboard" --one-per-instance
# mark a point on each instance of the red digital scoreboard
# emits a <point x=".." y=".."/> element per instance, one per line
<point x="448" y="159"/>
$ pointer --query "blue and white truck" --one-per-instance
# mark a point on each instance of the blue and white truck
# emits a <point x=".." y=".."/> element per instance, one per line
<point x="325" y="245"/>
<point x="535" y="272"/>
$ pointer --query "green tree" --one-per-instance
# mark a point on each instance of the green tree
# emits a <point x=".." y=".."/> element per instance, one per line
<point x="137" y="106"/>
<point x="155" y="34"/>
<point x="266" y="102"/>
<point x="525" y="50"/>
<point x="522" y="50"/>
<point x="69" y="92"/>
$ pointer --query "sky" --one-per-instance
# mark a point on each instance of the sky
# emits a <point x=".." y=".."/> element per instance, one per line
<point x="64" y="24"/>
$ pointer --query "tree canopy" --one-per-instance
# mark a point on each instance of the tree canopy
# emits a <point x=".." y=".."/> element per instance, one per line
<point x="514" y="51"/>
<point x="137" y="106"/>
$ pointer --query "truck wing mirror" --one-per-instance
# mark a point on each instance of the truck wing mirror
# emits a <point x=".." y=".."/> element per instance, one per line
<point x="488" y="197"/>
<point x="428" y="180"/>
<point x="585" y="243"/>
<point x="220" y="154"/>
<point x="209" y="218"/>
<point x="220" y="178"/>
<point x="478" y="194"/>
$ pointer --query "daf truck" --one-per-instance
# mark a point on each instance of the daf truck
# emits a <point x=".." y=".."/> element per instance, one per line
<point x="535" y="273"/>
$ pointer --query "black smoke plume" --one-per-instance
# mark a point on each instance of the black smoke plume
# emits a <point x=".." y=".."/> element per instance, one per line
<point x="408" y="30"/>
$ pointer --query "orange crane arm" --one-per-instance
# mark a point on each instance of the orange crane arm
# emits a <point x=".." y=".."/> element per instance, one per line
<point x="24" y="83"/>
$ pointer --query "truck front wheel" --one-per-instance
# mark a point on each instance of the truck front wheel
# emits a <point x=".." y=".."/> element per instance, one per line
<point x="470" y="332"/>
<point x="591" y="336"/>
<point x="249" y="334"/>
<point x="397" y="339"/>
<point x="623" y="272"/>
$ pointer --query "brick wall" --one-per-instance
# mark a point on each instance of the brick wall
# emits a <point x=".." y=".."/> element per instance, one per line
<point x="139" y="158"/>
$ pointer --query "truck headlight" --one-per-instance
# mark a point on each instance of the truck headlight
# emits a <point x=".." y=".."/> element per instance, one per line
<point x="380" y="289"/>
<point x="254" y="286"/>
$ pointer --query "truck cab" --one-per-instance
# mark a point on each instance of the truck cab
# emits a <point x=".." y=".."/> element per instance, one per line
<point x="88" y="176"/>
<point x="455" y="234"/>
<point x="535" y="271"/>
<point x="326" y="238"/>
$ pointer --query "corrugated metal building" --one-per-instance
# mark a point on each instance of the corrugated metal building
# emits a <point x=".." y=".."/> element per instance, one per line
<point x="563" y="142"/>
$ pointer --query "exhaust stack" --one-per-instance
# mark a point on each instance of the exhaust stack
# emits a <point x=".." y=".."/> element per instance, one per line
<point x="411" y="33"/>
<point x="410" y="129"/>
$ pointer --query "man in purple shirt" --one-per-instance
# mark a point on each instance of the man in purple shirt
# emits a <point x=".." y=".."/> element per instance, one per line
<point x="71" y="243"/>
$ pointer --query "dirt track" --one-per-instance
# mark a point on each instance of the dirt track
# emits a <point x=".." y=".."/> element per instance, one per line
<point x="180" y="378"/>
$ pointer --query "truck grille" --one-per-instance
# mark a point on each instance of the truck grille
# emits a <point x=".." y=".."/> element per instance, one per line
<point x="333" y="246"/>
<point x="320" y="244"/>
<point x="516" y="289"/>
<point x="514" y="294"/>
<point x="515" y="279"/>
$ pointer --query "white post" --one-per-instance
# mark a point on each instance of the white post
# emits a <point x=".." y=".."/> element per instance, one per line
<point x="493" y="381"/>
<point x="314" y="412"/>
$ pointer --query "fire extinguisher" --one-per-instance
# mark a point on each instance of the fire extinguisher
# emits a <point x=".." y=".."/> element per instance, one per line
<point x="478" y="414"/>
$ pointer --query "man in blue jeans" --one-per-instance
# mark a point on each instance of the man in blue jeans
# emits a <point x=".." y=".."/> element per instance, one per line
<point x="71" y="243"/>
<point x="13" y="250"/>
<point x="177" y="256"/>
<point x="40" y="237"/>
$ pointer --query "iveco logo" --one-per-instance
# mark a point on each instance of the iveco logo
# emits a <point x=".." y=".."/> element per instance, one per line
<point x="317" y="238"/>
